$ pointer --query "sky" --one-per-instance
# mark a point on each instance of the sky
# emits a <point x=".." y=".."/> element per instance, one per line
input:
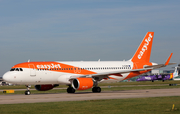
<point x="76" y="30"/>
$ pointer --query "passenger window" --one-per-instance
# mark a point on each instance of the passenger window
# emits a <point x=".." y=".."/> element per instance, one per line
<point x="21" y="69"/>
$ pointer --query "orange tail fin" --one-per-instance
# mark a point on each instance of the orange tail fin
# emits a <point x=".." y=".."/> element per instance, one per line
<point x="143" y="53"/>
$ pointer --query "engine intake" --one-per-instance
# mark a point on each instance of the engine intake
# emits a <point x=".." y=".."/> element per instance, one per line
<point x="82" y="83"/>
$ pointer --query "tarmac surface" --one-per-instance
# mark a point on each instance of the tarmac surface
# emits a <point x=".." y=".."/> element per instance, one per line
<point x="79" y="96"/>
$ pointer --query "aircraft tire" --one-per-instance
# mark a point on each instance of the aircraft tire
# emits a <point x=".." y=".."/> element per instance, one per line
<point x="96" y="89"/>
<point x="70" y="90"/>
<point x="27" y="92"/>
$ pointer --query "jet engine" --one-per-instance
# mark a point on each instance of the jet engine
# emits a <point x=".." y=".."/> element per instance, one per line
<point x="45" y="87"/>
<point x="82" y="83"/>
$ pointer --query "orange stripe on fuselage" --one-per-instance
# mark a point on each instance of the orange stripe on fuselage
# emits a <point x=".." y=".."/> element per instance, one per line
<point x="54" y="66"/>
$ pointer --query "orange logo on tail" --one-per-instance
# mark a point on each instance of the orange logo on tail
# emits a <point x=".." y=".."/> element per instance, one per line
<point x="145" y="46"/>
<point x="143" y="52"/>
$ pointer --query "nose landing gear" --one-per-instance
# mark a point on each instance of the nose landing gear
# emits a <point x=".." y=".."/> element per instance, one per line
<point x="27" y="92"/>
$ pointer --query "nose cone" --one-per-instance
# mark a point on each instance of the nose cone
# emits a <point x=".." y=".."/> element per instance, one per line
<point x="7" y="77"/>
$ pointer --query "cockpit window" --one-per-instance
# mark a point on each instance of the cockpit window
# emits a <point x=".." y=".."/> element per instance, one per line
<point x="16" y="69"/>
<point x="12" y="69"/>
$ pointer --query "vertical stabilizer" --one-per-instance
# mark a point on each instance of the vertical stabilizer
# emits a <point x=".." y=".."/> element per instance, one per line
<point x="175" y="74"/>
<point x="144" y="50"/>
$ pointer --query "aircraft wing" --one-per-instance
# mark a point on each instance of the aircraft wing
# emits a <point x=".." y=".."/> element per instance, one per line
<point x="120" y="72"/>
<point x="100" y="76"/>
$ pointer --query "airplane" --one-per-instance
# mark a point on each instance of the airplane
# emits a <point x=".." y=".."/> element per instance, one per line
<point x="83" y="75"/>
<point x="162" y="77"/>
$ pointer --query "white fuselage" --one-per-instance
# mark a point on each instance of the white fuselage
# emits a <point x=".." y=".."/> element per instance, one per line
<point x="46" y="76"/>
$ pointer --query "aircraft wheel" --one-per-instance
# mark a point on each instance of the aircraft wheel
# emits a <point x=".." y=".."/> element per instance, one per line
<point x="96" y="89"/>
<point x="70" y="90"/>
<point x="27" y="92"/>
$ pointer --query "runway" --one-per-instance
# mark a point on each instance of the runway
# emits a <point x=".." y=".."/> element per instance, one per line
<point x="79" y="96"/>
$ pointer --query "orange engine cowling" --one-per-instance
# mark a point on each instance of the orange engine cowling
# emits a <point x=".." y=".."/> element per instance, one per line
<point x="82" y="83"/>
<point x="45" y="87"/>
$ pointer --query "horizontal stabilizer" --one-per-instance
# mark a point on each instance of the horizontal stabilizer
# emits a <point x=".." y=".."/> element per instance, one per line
<point x="161" y="65"/>
<point x="158" y="66"/>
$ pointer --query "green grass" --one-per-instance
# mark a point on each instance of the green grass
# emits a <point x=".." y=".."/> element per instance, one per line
<point x="158" y="105"/>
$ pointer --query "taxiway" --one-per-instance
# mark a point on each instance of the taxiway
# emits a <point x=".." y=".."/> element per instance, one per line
<point x="57" y="97"/>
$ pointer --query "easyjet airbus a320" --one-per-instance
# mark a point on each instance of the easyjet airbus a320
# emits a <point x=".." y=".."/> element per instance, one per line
<point x="83" y="75"/>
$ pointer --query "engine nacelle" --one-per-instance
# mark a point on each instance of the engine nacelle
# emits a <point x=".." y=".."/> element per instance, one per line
<point x="45" y="87"/>
<point x="82" y="83"/>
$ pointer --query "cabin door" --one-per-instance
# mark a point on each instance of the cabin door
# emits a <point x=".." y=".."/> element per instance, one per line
<point x="32" y="70"/>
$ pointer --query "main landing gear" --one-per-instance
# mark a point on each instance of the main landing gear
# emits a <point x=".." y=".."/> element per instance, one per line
<point x="96" y="89"/>
<point x="70" y="90"/>
<point x="27" y="92"/>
